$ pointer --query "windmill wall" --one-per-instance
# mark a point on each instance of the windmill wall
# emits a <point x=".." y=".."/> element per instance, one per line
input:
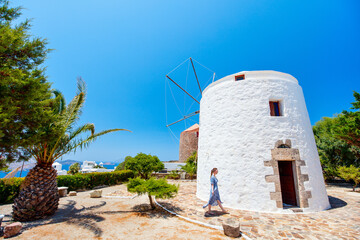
<point x="188" y="142"/>
<point x="239" y="136"/>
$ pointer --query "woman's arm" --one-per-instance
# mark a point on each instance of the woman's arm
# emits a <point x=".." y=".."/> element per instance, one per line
<point x="212" y="188"/>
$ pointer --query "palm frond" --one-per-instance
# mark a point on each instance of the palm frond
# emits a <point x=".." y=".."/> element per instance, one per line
<point x="84" y="128"/>
<point x="73" y="110"/>
<point x="71" y="113"/>
<point x="60" y="101"/>
<point x="63" y="136"/>
<point x="81" y="85"/>
<point x="84" y="143"/>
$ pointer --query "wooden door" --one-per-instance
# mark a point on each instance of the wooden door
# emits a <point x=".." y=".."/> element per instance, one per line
<point x="287" y="182"/>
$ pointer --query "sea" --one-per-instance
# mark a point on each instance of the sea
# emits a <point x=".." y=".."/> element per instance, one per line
<point x="64" y="167"/>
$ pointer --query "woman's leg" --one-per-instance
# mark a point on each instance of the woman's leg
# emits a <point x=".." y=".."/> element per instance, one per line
<point x="209" y="208"/>
<point x="224" y="211"/>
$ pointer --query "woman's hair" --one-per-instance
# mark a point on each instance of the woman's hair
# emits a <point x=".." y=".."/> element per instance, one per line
<point x="212" y="171"/>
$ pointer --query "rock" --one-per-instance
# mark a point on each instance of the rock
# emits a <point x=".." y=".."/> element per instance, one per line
<point x="62" y="191"/>
<point x="96" y="194"/>
<point x="72" y="193"/>
<point x="1" y="218"/>
<point x="232" y="228"/>
<point x="183" y="175"/>
<point x="12" y="229"/>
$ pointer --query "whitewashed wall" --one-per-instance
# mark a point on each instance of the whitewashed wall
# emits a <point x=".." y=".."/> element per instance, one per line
<point x="237" y="134"/>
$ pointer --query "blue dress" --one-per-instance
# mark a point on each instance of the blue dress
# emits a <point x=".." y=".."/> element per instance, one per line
<point x="216" y="196"/>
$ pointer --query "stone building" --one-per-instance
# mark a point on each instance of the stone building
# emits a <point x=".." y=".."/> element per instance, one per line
<point x="256" y="130"/>
<point x="188" y="142"/>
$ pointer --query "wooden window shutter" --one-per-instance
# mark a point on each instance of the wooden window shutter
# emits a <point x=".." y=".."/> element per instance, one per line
<point x="272" y="110"/>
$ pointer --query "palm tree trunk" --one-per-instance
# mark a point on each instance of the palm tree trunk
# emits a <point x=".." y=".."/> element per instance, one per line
<point x="39" y="195"/>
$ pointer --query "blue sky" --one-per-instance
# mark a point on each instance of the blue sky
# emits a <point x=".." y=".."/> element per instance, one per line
<point x="124" y="49"/>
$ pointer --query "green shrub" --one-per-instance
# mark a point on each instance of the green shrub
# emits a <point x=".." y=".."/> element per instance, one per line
<point x="91" y="180"/>
<point x="159" y="188"/>
<point x="74" y="182"/>
<point x="121" y="166"/>
<point x="351" y="173"/>
<point x="174" y="174"/>
<point x="10" y="188"/>
<point x="74" y="168"/>
<point x="330" y="173"/>
<point x="191" y="165"/>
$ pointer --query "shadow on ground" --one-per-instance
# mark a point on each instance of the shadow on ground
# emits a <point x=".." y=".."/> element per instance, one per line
<point x="88" y="217"/>
<point x="171" y="207"/>
<point x="214" y="213"/>
<point x="72" y="215"/>
<point x="336" y="202"/>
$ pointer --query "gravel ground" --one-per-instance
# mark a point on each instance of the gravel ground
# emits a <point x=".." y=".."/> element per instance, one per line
<point x="82" y="217"/>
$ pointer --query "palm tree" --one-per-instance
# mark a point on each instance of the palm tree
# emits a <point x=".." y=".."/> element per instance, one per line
<point x="39" y="194"/>
<point x="191" y="165"/>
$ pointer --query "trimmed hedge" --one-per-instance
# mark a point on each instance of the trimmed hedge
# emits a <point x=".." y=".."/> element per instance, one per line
<point x="10" y="188"/>
<point x="91" y="180"/>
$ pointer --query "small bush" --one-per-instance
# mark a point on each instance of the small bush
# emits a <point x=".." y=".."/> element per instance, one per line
<point x="330" y="173"/>
<point x="350" y="174"/>
<point x="159" y="188"/>
<point x="191" y="165"/>
<point x="10" y="188"/>
<point x="174" y="174"/>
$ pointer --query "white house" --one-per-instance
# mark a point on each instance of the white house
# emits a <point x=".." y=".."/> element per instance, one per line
<point x="89" y="167"/>
<point x="58" y="168"/>
<point x="255" y="128"/>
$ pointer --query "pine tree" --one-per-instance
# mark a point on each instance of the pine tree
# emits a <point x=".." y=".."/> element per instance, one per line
<point x="348" y="123"/>
<point x="144" y="165"/>
<point x="25" y="102"/>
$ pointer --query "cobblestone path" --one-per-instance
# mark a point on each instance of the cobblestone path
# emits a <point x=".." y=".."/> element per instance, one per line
<point x="340" y="222"/>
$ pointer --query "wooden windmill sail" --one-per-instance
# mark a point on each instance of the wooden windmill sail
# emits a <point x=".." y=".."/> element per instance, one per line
<point x="189" y="135"/>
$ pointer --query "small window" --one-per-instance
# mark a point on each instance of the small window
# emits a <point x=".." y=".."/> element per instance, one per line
<point x="283" y="146"/>
<point x="275" y="109"/>
<point x="240" y="77"/>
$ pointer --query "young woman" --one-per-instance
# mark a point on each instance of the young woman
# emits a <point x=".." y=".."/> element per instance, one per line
<point x="214" y="193"/>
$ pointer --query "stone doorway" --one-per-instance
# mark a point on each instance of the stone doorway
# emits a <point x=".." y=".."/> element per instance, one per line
<point x="283" y="152"/>
<point x="287" y="184"/>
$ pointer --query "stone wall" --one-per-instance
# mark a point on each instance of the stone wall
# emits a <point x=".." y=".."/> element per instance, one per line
<point x="188" y="144"/>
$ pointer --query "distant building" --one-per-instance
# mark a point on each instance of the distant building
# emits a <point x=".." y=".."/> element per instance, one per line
<point x="188" y="142"/>
<point x="58" y="168"/>
<point x="90" y="166"/>
<point x="172" y="165"/>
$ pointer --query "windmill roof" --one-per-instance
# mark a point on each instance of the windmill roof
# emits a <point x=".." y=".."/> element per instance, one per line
<point x="255" y="75"/>
<point x="192" y="128"/>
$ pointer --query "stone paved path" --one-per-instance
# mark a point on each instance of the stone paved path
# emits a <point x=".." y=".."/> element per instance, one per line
<point x="340" y="222"/>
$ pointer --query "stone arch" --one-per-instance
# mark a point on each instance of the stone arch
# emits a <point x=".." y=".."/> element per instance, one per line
<point x="283" y="151"/>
